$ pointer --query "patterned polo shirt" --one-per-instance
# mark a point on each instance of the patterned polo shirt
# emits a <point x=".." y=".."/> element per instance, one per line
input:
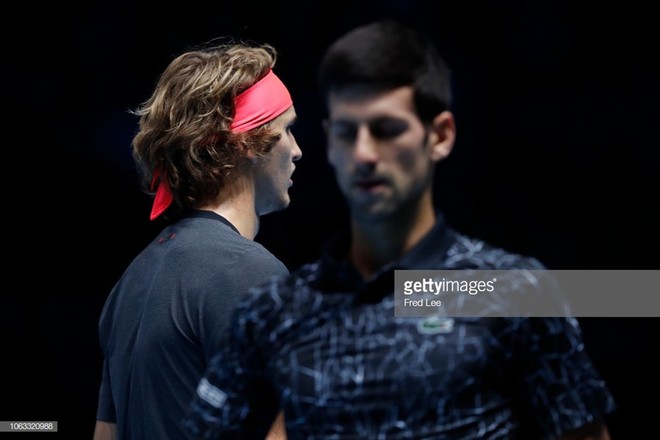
<point x="324" y="345"/>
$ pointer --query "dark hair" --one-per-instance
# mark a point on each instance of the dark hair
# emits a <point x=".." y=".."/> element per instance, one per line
<point x="384" y="55"/>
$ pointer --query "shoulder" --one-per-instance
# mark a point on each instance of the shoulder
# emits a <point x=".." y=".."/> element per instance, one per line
<point x="291" y="287"/>
<point x="473" y="253"/>
<point x="273" y="309"/>
<point x="205" y="242"/>
<point x="287" y="296"/>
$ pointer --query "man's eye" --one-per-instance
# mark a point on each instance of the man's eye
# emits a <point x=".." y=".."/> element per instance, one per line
<point x="345" y="132"/>
<point x="387" y="129"/>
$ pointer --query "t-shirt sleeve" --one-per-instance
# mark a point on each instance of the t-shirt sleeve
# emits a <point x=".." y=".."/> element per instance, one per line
<point x="558" y="378"/>
<point x="106" y="408"/>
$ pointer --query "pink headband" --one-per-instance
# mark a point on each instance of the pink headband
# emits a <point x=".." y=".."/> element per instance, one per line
<point x="262" y="102"/>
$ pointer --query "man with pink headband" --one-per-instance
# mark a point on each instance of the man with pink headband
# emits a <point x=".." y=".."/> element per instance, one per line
<point x="216" y="150"/>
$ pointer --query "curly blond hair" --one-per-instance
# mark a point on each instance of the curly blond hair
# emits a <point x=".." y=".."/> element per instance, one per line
<point x="184" y="127"/>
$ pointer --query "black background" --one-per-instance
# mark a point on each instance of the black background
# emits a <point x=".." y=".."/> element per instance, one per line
<point x="556" y="157"/>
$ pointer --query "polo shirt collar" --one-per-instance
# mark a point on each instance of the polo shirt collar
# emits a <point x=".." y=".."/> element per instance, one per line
<point x="339" y="275"/>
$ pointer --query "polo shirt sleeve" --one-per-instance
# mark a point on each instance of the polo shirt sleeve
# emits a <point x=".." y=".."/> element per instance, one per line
<point x="235" y="398"/>
<point x="558" y="378"/>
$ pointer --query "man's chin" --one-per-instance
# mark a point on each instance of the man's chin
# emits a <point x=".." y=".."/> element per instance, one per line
<point x="373" y="213"/>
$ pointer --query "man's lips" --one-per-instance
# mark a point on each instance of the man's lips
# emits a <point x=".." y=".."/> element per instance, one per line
<point x="369" y="184"/>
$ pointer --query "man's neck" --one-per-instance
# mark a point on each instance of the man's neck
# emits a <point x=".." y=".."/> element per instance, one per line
<point x="239" y="209"/>
<point x="375" y="244"/>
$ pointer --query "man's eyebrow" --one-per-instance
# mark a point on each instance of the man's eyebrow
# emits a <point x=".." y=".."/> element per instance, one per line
<point x="384" y="118"/>
<point x="374" y="119"/>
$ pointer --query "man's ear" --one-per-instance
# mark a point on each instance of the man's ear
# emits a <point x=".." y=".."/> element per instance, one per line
<point x="443" y="135"/>
<point x="250" y="154"/>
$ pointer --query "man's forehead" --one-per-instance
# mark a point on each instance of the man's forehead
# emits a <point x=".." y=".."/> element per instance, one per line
<point x="361" y="92"/>
<point x="396" y="103"/>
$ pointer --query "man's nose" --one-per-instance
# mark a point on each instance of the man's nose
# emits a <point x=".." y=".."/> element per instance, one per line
<point x="297" y="152"/>
<point x="365" y="146"/>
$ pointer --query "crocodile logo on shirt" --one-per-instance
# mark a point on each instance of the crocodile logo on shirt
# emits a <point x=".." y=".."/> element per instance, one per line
<point x="434" y="324"/>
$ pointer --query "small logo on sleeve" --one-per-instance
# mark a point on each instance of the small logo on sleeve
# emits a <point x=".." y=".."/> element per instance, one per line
<point x="210" y="394"/>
